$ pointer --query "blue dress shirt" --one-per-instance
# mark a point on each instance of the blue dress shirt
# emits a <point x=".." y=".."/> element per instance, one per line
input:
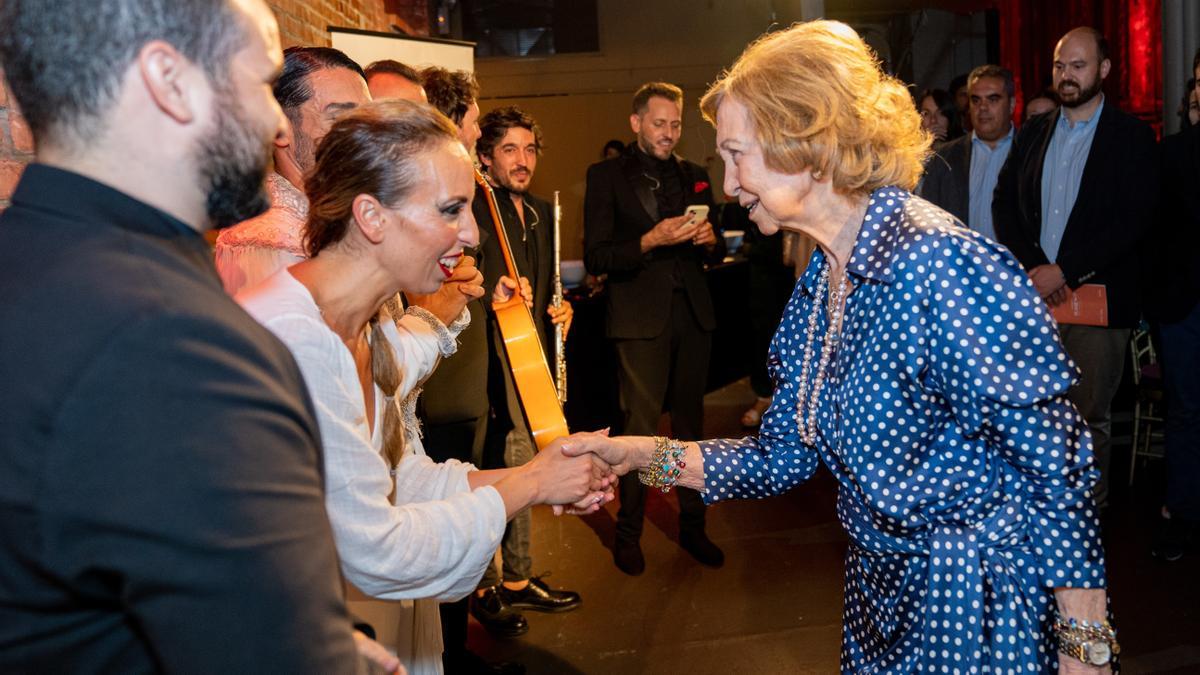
<point x="1062" y="171"/>
<point x="985" y="168"/>
<point x="964" y="472"/>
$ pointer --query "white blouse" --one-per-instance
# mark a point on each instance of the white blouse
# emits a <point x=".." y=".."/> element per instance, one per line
<point x="437" y="538"/>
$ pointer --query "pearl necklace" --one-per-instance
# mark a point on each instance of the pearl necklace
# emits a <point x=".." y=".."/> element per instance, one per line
<point x="806" y="398"/>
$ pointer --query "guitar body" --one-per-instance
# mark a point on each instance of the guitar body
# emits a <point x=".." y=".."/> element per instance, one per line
<point x="535" y="386"/>
<point x="526" y="357"/>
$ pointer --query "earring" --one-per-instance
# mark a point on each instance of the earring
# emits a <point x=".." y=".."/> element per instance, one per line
<point x="818" y="175"/>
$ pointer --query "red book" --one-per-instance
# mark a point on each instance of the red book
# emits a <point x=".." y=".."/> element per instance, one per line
<point x="1084" y="306"/>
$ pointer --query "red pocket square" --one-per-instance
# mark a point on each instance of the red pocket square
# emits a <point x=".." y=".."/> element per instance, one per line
<point x="700" y="186"/>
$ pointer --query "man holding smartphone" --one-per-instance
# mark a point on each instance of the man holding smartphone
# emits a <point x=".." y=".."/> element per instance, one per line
<point x="642" y="230"/>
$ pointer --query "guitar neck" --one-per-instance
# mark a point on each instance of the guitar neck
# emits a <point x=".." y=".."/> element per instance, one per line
<point x="510" y="263"/>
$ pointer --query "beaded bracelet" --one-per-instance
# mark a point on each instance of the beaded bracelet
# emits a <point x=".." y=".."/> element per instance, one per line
<point x="1092" y="642"/>
<point x="1102" y="629"/>
<point x="665" y="464"/>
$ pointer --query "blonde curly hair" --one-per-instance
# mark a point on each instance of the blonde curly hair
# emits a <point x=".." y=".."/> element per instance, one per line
<point x="819" y="100"/>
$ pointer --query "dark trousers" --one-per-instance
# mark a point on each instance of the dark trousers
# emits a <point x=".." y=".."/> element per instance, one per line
<point x="517" y="449"/>
<point x="1181" y="372"/>
<point x="462" y="441"/>
<point x="1099" y="353"/>
<point x="668" y="371"/>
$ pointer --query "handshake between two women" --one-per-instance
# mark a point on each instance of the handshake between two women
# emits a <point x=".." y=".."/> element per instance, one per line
<point x="575" y="474"/>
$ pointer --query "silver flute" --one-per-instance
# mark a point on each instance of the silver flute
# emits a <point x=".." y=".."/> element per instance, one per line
<point x="560" y="338"/>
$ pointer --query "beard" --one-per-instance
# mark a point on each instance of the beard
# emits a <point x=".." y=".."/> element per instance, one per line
<point x="1079" y="94"/>
<point x="232" y="161"/>
<point x="512" y="186"/>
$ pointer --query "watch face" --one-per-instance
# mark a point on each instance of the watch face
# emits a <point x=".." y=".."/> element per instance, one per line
<point x="1098" y="653"/>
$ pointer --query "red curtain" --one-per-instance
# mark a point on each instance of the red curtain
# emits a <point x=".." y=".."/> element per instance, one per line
<point x="1029" y="29"/>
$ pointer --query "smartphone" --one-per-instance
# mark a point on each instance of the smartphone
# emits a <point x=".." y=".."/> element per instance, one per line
<point x="697" y="213"/>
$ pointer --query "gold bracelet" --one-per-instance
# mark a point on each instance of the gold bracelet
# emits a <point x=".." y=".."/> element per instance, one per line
<point x="666" y="464"/>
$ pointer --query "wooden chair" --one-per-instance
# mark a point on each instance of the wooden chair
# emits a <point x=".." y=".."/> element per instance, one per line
<point x="1148" y="403"/>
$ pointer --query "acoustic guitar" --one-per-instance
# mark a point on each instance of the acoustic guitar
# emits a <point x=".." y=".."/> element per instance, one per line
<point x="526" y="358"/>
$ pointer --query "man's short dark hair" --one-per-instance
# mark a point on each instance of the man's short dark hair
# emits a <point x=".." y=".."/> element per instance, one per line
<point x="393" y="67"/>
<point x="494" y="125"/>
<point x="998" y="72"/>
<point x="450" y="91"/>
<point x="64" y="61"/>
<point x="614" y="144"/>
<point x="641" y="98"/>
<point x="1045" y="92"/>
<point x="957" y="83"/>
<point x="293" y="88"/>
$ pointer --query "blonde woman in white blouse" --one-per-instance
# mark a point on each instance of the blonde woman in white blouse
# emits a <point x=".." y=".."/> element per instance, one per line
<point x="390" y="211"/>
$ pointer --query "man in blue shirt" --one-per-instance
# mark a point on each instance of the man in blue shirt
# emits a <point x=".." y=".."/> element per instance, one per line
<point x="962" y="175"/>
<point x="1073" y="202"/>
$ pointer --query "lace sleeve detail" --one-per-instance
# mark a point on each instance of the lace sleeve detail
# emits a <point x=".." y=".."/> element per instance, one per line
<point x="460" y="324"/>
<point x="446" y="337"/>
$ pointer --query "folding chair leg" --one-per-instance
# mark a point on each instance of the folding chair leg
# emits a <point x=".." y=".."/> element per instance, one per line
<point x="1133" y="446"/>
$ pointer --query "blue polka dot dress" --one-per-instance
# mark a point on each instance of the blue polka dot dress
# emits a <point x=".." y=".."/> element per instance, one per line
<point x="965" y="474"/>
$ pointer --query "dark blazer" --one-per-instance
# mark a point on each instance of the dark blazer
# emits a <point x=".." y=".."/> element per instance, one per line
<point x="1173" y="247"/>
<point x="161" y="499"/>
<point x="1116" y="202"/>
<point x="947" y="180"/>
<point x="619" y="208"/>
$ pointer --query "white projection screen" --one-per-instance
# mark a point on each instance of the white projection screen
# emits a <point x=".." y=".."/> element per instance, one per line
<point x="366" y="47"/>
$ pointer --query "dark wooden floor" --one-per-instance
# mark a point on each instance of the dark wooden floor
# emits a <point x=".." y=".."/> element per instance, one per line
<point x="775" y="607"/>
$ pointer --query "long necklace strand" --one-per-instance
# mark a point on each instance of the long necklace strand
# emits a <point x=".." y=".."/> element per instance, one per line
<point x="807" y="398"/>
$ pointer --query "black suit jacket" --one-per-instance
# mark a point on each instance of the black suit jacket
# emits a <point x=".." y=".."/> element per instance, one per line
<point x="619" y="208"/>
<point x="161" y="501"/>
<point x="1173" y="248"/>
<point x="947" y="180"/>
<point x="1112" y="213"/>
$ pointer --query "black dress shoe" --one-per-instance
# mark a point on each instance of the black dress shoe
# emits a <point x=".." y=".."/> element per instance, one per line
<point x="499" y="620"/>
<point x="468" y="662"/>
<point x="628" y="556"/>
<point x="539" y="597"/>
<point x="701" y="548"/>
<point x="1172" y="540"/>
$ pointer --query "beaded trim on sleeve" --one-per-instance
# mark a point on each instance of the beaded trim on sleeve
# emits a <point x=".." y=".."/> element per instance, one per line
<point x="447" y="344"/>
<point x="460" y="324"/>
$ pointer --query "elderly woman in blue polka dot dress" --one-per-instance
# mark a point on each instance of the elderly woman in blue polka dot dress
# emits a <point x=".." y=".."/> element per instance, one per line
<point x="918" y="363"/>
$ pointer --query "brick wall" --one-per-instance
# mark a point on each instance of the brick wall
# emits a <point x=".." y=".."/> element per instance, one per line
<point x="300" y="22"/>
<point x="16" y="145"/>
<point x="304" y="22"/>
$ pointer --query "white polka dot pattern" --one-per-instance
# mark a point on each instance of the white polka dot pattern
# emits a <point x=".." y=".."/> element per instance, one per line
<point x="965" y="474"/>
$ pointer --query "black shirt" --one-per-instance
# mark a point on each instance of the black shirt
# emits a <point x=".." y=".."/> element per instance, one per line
<point x="161" y="503"/>
<point x="667" y="186"/>
<point x="667" y="183"/>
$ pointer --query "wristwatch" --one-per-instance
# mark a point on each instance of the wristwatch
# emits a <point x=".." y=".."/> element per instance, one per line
<point x="1092" y="643"/>
<point x="1089" y="650"/>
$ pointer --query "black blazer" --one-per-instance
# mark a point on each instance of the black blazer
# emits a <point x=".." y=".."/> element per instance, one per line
<point x="1116" y="202"/>
<point x="619" y="208"/>
<point x="1173" y="246"/>
<point x="947" y="180"/>
<point x="162" y="502"/>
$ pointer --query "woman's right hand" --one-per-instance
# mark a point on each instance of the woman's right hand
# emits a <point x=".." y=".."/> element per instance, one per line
<point x="562" y="479"/>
